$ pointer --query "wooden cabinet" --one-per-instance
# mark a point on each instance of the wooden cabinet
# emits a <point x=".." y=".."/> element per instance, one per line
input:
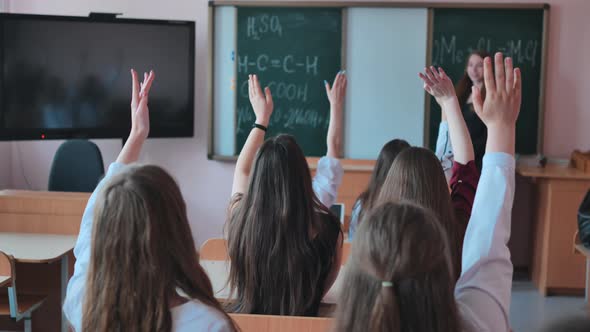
<point x="556" y="269"/>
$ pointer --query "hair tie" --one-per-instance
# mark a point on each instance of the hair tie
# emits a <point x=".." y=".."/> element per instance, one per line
<point x="386" y="284"/>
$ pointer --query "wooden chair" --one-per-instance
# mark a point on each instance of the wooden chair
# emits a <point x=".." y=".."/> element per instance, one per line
<point x="346" y="247"/>
<point x="17" y="306"/>
<point x="214" y="249"/>
<point x="267" y="323"/>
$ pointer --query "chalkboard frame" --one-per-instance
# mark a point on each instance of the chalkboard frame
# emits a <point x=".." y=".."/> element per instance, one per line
<point x="349" y="4"/>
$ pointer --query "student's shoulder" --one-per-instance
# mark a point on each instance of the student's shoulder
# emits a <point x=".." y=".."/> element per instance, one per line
<point x="197" y="316"/>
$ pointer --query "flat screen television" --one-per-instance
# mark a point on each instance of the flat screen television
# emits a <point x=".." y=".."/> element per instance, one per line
<point x="69" y="77"/>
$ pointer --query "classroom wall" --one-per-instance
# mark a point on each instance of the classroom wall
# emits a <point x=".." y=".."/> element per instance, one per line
<point x="5" y="165"/>
<point x="206" y="184"/>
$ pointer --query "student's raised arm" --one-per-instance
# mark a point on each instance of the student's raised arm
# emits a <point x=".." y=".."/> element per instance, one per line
<point x="461" y="173"/>
<point x="484" y="288"/>
<point x="140" y="118"/>
<point x="140" y="126"/>
<point x="439" y="85"/>
<point x="263" y="106"/>
<point x="336" y="95"/>
<point x="329" y="171"/>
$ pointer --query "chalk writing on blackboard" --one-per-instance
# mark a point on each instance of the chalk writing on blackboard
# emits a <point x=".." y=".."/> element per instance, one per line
<point x="288" y="64"/>
<point x="282" y="90"/>
<point x="258" y="26"/>
<point x="445" y="50"/>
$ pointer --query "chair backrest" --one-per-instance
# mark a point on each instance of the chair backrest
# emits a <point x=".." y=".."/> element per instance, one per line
<point x="77" y="166"/>
<point x="7" y="268"/>
<point x="8" y="282"/>
<point x="346" y="247"/>
<point x="20" y="306"/>
<point x="267" y="323"/>
<point x="214" y="249"/>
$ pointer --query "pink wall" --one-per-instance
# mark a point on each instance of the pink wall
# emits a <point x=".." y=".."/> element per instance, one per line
<point x="206" y="184"/>
<point x="5" y="165"/>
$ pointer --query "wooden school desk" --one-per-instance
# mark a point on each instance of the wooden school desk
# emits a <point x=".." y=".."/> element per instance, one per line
<point x="559" y="192"/>
<point x="269" y="323"/>
<point x="50" y="222"/>
<point x="41" y="249"/>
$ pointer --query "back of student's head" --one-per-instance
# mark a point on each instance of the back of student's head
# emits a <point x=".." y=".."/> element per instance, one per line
<point x="386" y="157"/>
<point x="398" y="277"/>
<point x="417" y="176"/>
<point x="142" y="251"/>
<point x="275" y="267"/>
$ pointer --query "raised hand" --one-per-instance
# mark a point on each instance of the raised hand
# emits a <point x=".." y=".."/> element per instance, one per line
<point x="337" y="92"/>
<point x="503" y="94"/>
<point x="261" y="101"/>
<point x="140" y="117"/>
<point x="438" y="84"/>
<point x="336" y="95"/>
<point x="500" y="110"/>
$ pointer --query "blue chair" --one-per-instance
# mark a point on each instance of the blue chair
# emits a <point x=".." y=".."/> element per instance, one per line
<point x="77" y="166"/>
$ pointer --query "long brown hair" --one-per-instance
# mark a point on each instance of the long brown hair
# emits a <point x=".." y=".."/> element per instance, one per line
<point x="142" y="252"/>
<point x="417" y="176"/>
<point x="463" y="87"/>
<point x="386" y="157"/>
<point x="399" y="275"/>
<point x="281" y="238"/>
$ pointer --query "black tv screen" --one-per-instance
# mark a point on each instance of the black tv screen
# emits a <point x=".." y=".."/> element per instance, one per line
<point x="66" y="77"/>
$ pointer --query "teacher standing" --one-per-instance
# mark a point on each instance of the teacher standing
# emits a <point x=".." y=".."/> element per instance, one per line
<point x="473" y="76"/>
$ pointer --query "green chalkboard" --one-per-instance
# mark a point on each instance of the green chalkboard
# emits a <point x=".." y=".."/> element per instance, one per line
<point x="292" y="50"/>
<point x="517" y="33"/>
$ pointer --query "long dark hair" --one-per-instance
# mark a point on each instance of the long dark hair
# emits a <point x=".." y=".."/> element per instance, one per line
<point x="463" y="87"/>
<point x="386" y="157"/>
<point x="281" y="238"/>
<point x="142" y="252"/>
<point x="399" y="275"/>
<point x="417" y="176"/>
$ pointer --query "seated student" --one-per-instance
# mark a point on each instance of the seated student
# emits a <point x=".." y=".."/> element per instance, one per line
<point x="416" y="174"/>
<point x="137" y="268"/>
<point x="284" y="244"/>
<point x="439" y="86"/>
<point x="400" y="274"/>
<point x="367" y="198"/>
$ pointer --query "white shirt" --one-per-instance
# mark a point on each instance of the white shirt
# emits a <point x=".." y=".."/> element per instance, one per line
<point x="196" y="316"/>
<point x="327" y="180"/>
<point x="444" y="149"/>
<point x="484" y="288"/>
<point x="191" y="316"/>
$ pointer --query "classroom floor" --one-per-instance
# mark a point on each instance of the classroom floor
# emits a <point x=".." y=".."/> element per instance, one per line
<point x="530" y="312"/>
